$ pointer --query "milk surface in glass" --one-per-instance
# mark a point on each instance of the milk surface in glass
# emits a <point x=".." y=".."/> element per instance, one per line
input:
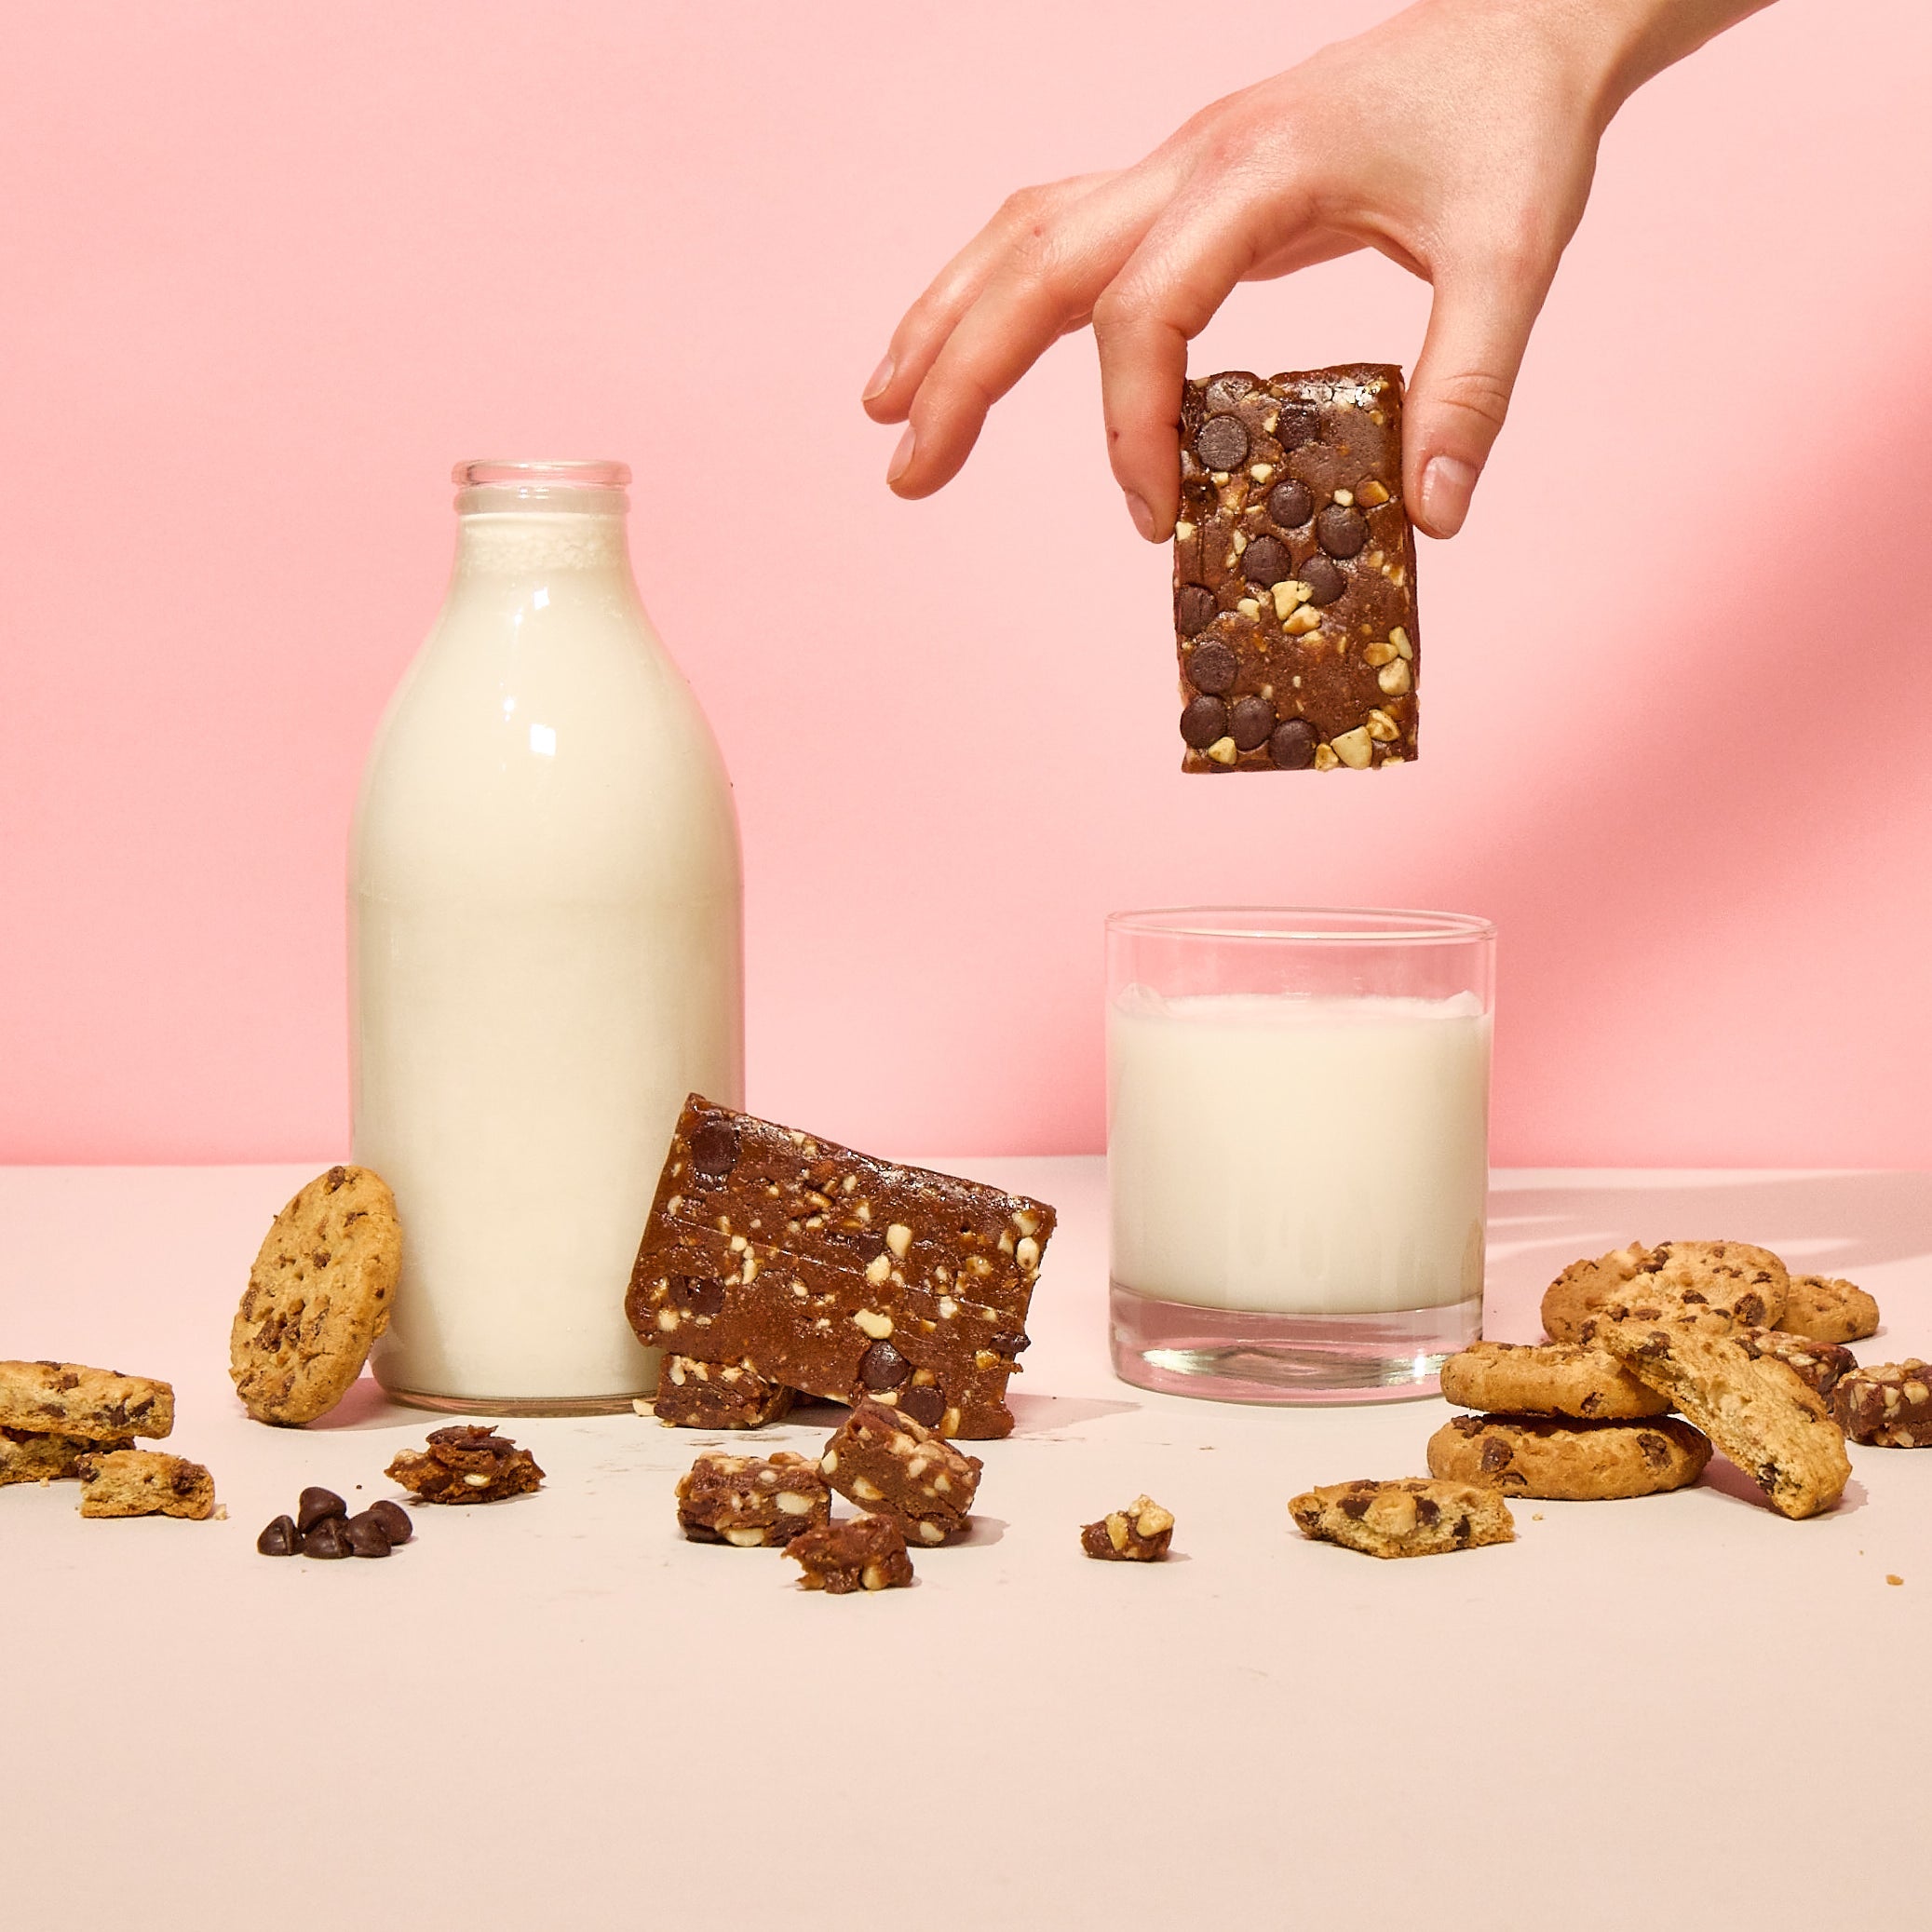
<point x="1298" y="1154"/>
<point x="545" y="950"/>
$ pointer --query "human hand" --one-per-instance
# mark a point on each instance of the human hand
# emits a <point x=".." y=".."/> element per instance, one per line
<point x="1458" y="139"/>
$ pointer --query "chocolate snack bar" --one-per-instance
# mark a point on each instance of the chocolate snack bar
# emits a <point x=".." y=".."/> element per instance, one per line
<point x="1888" y="1405"/>
<point x="1294" y="572"/>
<point x="694" y="1395"/>
<point x="751" y="1501"/>
<point x="859" y="1553"/>
<point x="827" y="1271"/>
<point x="890" y="1466"/>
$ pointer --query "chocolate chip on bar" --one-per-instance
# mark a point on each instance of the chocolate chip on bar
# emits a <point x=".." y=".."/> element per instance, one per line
<point x="1139" y="1534"/>
<point x="830" y="1272"/>
<point x="466" y="1463"/>
<point x="754" y="1502"/>
<point x="694" y="1394"/>
<point x="68" y="1398"/>
<point x="891" y="1465"/>
<point x="1888" y="1406"/>
<point x="1294" y="574"/>
<point x="860" y="1553"/>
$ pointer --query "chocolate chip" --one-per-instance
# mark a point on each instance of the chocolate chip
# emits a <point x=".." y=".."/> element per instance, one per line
<point x="1009" y="1344"/>
<point x="1203" y="723"/>
<point x="1292" y="746"/>
<point x="695" y="1296"/>
<point x="1356" y="1507"/>
<point x="366" y="1535"/>
<point x="1264" y="561"/>
<point x="1466" y="1425"/>
<point x="1497" y="1454"/>
<point x="1341" y="531"/>
<point x="1657" y="1452"/>
<point x="281" y="1538"/>
<point x="1251" y="722"/>
<point x="714" y="1149"/>
<point x="882" y="1366"/>
<point x="1296" y="425"/>
<point x="1212" y="667"/>
<point x="1222" y="442"/>
<point x="925" y="1404"/>
<point x="328" y="1540"/>
<point x="1751" y="1308"/>
<point x="1426" y="1511"/>
<point x="1325" y="580"/>
<point x="316" y="1504"/>
<point x="1463" y="1528"/>
<point x="395" y="1520"/>
<point x="1290" y="505"/>
<point x="1193" y="609"/>
<point x="336" y="1177"/>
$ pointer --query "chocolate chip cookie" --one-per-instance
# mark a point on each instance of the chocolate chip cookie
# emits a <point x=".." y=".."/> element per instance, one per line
<point x="67" y="1398"/>
<point x="1755" y="1408"/>
<point x="28" y="1457"/>
<point x="1565" y="1460"/>
<point x="1584" y="1287"/>
<point x="144" y="1482"/>
<point x="1406" y="1517"/>
<point x="1554" y="1378"/>
<point x="1822" y="1308"/>
<point x="318" y="1296"/>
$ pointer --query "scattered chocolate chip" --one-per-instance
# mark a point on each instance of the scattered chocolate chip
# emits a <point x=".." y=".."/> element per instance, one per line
<point x="695" y="1296"/>
<point x="1203" y="723"/>
<point x="328" y="1540"/>
<point x="1222" y="442"/>
<point x="1290" y="505"/>
<point x="1212" y="667"/>
<point x="1251" y="722"/>
<point x="395" y="1520"/>
<point x="366" y="1536"/>
<point x="1296" y="425"/>
<point x="1292" y="746"/>
<point x="924" y="1403"/>
<point x="882" y="1366"/>
<point x="1341" y="531"/>
<point x="714" y="1149"/>
<point x="1324" y="580"/>
<point x="1193" y="609"/>
<point x="1264" y="561"/>
<point x="315" y="1506"/>
<point x="281" y="1538"/>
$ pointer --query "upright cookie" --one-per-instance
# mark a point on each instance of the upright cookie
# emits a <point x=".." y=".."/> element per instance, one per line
<point x="1888" y="1406"/>
<point x="1822" y="1308"/>
<point x="1565" y="1460"/>
<point x="1407" y="1518"/>
<point x="318" y="1296"/>
<point x="1557" y="1378"/>
<point x="144" y="1482"/>
<point x="68" y="1398"/>
<point x="1584" y="1287"/>
<point x="1755" y="1408"/>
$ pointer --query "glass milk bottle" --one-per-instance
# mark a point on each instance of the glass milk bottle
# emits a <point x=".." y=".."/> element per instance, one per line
<point x="544" y="948"/>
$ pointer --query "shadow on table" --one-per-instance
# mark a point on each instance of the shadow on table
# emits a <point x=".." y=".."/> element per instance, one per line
<point x="369" y="1406"/>
<point x="1048" y="1415"/>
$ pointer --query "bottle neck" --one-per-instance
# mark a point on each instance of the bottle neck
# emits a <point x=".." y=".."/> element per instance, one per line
<point x="522" y="543"/>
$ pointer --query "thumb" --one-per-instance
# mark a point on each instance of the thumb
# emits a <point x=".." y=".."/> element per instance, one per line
<point x="1479" y="326"/>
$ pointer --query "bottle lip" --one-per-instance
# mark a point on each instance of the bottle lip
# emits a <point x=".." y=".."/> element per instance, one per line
<point x="540" y="473"/>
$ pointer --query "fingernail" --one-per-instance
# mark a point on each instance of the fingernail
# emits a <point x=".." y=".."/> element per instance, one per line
<point x="881" y="380"/>
<point x="1446" y="484"/>
<point x="1142" y="516"/>
<point x="902" y="456"/>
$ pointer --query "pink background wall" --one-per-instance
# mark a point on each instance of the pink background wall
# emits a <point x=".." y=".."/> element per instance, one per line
<point x="265" y="273"/>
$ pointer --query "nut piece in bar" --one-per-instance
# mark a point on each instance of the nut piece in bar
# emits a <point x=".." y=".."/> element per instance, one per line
<point x="467" y="1464"/>
<point x="1139" y="1534"/>
<point x="67" y="1398"/>
<point x="832" y="1273"/>
<point x="1755" y="1408"/>
<point x="27" y="1457"/>
<point x="144" y="1482"/>
<point x="694" y="1394"/>
<point x="1888" y="1406"/>
<point x="857" y="1553"/>
<point x="1408" y="1517"/>
<point x="1294" y="572"/>
<point x="754" y="1502"/>
<point x="891" y="1465"/>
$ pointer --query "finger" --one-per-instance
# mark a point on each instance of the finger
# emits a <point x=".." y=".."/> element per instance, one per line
<point x="1045" y="288"/>
<point x="924" y="329"/>
<point x="1181" y="274"/>
<point x="1479" y="324"/>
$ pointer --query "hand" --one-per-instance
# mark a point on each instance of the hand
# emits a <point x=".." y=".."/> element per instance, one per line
<point x="1458" y="139"/>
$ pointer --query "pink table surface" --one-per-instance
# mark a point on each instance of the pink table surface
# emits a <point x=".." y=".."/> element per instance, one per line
<point x="1683" y="1709"/>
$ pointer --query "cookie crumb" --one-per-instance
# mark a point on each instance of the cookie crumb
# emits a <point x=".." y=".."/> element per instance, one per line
<point x="1538" y="1518"/>
<point x="1890" y="1579"/>
<point x="221" y="1515"/>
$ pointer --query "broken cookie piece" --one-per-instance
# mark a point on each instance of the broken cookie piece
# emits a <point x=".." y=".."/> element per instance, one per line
<point x="1139" y="1534"/>
<point x="144" y="1482"/>
<point x="69" y="1399"/>
<point x="752" y="1502"/>
<point x="467" y="1463"/>
<point x="859" y="1553"/>
<point x="1409" y="1516"/>
<point x="891" y="1465"/>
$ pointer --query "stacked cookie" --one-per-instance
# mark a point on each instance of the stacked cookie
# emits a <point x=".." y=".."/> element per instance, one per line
<point x="62" y="1420"/>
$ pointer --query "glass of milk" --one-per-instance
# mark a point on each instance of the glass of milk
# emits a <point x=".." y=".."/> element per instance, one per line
<point x="1297" y="1148"/>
